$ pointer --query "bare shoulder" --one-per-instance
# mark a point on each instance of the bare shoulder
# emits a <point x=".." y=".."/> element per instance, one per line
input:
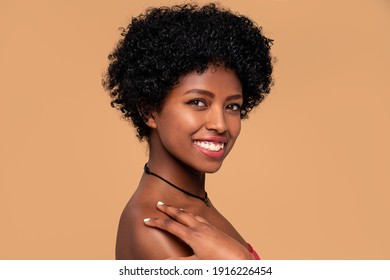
<point x="135" y="240"/>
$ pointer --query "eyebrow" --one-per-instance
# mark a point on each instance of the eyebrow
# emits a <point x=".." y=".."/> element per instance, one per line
<point x="212" y="95"/>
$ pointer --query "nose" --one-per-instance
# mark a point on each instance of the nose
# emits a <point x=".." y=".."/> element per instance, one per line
<point x="216" y="120"/>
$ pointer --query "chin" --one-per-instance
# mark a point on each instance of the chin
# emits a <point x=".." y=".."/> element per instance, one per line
<point x="211" y="169"/>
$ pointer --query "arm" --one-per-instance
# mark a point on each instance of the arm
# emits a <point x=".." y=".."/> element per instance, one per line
<point x="135" y="241"/>
<point x="207" y="241"/>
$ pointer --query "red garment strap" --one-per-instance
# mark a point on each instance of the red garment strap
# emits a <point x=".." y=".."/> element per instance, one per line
<point x="255" y="255"/>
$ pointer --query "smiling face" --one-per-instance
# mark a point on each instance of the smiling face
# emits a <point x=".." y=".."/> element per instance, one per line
<point x="200" y="119"/>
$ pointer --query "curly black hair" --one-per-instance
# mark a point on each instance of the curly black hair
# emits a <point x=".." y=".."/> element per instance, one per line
<point x="166" y="43"/>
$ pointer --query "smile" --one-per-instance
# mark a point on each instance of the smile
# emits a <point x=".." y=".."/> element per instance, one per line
<point x="210" y="146"/>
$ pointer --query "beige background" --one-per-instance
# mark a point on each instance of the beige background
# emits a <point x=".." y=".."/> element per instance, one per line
<point x="309" y="176"/>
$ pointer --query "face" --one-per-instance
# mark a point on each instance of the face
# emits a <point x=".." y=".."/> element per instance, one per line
<point x="200" y="120"/>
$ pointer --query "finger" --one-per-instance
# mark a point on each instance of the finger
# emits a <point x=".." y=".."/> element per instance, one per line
<point x="201" y="219"/>
<point x="171" y="226"/>
<point x="177" y="214"/>
<point x="198" y="218"/>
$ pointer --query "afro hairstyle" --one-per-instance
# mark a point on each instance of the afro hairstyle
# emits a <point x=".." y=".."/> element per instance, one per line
<point x="162" y="45"/>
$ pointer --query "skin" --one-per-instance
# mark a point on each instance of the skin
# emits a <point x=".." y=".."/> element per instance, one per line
<point x="201" y="107"/>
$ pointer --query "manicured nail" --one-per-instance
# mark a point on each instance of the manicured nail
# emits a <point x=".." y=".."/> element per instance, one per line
<point x="146" y="219"/>
<point x="160" y="203"/>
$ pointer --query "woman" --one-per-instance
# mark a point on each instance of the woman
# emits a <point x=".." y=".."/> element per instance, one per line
<point x="185" y="76"/>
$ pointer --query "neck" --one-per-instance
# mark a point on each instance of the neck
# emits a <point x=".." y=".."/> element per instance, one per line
<point x="170" y="168"/>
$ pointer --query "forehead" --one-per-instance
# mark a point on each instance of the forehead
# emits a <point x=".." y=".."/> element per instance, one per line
<point x="217" y="80"/>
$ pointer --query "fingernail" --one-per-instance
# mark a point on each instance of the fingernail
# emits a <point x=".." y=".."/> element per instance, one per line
<point x="146" y="219"/>
<point x="160" y="203"/>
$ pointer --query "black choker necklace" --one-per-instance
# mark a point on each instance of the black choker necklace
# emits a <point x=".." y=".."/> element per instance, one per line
<point x="205" y="199"/>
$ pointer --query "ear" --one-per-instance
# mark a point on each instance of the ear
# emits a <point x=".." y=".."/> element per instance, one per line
<point x="150" y="120"/>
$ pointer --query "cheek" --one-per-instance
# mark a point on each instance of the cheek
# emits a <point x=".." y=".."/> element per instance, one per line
<point x="188" y="121"/>
<point x="178" y="122"/>
<point x="235" y="128"/>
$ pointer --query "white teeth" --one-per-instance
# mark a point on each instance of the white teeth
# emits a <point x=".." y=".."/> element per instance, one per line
<point x="211" y="146"/>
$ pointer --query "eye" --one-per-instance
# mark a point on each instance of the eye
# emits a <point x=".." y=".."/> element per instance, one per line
<point x="234" y="107"/>
<point x="197" y="103"/>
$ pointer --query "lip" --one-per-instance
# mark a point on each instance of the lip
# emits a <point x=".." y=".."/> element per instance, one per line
<point x="216" y="139"/>
<point x="212" y="154"/>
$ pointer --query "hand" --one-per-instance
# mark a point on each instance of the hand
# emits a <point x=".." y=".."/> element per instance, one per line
<point x="206" y="241"/>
